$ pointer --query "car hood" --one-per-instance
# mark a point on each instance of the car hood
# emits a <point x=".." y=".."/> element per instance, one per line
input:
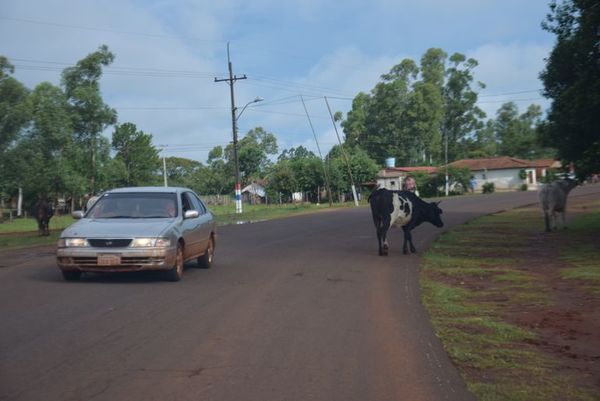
<point x="118" y="228"/>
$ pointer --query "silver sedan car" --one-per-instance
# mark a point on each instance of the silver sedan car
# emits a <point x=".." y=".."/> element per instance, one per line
<point x="140" y="228"/>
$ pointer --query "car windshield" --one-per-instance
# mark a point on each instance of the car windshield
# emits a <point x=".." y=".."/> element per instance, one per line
<point x="134" y="205"/>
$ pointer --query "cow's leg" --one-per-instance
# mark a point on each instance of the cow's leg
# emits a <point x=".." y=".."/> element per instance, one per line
<point x="547" y="221"/>
<point x="385" y="225"/>
<point x="379" y="239"/>
<point x="408" y="240"/>
<point x="564" y="219"/>
<point x="379" y="231"/>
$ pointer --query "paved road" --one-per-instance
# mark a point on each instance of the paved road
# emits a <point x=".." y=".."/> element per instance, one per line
<point x="293" y="309"/>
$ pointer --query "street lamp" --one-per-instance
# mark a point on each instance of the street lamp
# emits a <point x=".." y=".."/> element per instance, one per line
<point x="238" y="190"/>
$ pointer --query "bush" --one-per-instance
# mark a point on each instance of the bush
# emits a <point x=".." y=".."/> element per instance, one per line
<point x="434" y="185"/>
<point x="488" y="187"/>
<point x="524" y="187"/>
<point x="522" y="174"/>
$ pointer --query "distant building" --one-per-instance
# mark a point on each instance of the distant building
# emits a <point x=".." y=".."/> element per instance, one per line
<point x="506" y="172"/>
<point x="393" y="177"/>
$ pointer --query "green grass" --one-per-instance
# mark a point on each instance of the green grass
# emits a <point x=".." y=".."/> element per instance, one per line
<point x="26" y="240"/>
<point x="582" y="256"/>
<point x="29" y="224"/>
<point x="468" y="278"/>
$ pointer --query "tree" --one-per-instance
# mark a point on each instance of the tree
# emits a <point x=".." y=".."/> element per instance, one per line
<point x="414" y="108"/>
<point x="363" y="167"/>
<point x="42" y="157"/>
<point x="218" y="178"/>
<point x="355" y="124"/>
<point x="282" y="180"/>
<point x="140" y="158"/>
<point x="253" y="153"/>
<point x="14" y="110"/>
<point x="14" y="115"/>
<point x="461" y="115"/>
<point x="181" y="172"/>
<point x="572" y="80"/>
<point x="483" y="143"/>
<point x="91" y="116"/>
<point x="308" y="171"/>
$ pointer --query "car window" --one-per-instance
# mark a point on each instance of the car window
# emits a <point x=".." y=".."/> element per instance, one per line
<point x="199" y="206"/>
<point x="186" y="202"/>
<point x="134" y="205"/>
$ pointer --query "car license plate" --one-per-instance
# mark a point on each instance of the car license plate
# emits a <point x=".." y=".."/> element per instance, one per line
<point x="109" y="259"/>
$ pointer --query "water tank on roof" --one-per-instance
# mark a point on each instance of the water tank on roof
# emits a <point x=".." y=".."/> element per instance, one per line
<point x="390" y="162"/>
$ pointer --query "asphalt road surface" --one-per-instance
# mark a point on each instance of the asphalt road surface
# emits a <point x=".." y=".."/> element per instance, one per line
<point x="301" y="308"/>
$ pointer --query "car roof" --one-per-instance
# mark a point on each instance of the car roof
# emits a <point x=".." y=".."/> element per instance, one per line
<point x="150" y="189"/>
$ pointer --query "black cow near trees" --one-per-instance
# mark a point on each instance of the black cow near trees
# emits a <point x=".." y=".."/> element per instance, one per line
<point x="42" y="212"/>
<point x="401" y="208"/>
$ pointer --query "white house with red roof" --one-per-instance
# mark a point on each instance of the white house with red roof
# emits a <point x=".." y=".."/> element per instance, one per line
<point x="506" y="172"/>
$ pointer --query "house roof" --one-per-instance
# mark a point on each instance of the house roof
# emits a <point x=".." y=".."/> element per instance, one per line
<point x="548" y="163"/>
<point x="492" y="163"/>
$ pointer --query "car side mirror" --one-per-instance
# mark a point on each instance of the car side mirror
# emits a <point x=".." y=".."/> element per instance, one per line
<point x="78" y="214"/>
<point x="191" y="214"/>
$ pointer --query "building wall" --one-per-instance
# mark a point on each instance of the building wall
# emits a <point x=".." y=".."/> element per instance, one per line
<point x="506" y="179"/>
<point x="392" y="183"/>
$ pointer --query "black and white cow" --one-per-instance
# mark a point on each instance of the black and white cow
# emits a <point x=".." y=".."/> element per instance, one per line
<point x="404" y="209"/>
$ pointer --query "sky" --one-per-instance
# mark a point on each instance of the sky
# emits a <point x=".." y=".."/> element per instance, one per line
<point x="169" y="52"/>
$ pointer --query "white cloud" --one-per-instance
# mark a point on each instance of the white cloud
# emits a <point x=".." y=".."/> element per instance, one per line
<point x="508" y="69"/>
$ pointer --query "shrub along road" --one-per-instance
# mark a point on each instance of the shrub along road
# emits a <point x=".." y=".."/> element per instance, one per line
<point x="293" y="309"/>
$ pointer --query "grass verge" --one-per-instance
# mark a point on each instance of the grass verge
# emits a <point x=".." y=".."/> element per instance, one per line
<point x="490" y="287"/>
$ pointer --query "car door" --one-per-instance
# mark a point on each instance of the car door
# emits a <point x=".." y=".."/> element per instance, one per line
<point x="192" y="228"/>
<point x="206" y="220"/>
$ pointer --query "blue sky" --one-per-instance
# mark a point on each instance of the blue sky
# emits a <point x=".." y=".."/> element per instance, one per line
<point x="168" y="53"/>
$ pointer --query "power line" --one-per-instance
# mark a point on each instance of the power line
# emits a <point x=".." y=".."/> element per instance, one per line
<point x="511" y="100"/>
<point x="511" y="93"/>
<point x="89" y="28"/>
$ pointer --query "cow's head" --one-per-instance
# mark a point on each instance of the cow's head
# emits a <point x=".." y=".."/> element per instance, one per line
<point x="436" y="215"/>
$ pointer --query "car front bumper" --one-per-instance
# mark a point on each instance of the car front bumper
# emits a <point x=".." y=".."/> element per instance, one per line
<point x="119" y="259"/>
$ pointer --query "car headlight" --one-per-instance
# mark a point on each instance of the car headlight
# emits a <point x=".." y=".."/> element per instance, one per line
<point x="72" y="243"/>
<point x="150" y="242"/>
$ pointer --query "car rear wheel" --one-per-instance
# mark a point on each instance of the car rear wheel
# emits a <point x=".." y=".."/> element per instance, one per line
<point x="176" y="273"/>
<point x="71" y="275"/>
<point x="205" y="261"/>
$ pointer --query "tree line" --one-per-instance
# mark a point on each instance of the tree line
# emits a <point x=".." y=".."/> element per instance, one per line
<point x="421" y="113"/>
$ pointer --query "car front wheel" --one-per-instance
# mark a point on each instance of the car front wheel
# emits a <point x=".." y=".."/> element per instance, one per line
<point x="205" y="261"/>
<point x="176" y="273"/>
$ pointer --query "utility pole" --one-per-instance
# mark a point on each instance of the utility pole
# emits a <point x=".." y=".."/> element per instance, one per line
<point x="320" y="156"/>
<point x="343" y="154"/>
<point x="446" y="186"/>
<point x="165" y="170"/>
<point x="231" y="80"/>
